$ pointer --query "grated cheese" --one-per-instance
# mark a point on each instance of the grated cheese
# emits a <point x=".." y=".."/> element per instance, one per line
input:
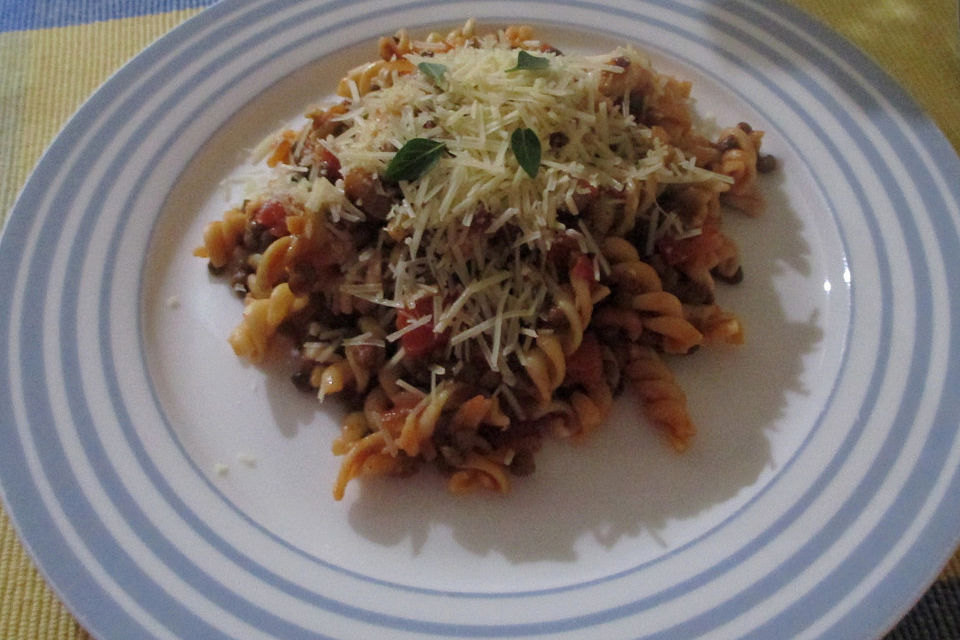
<point x="364" y="339"/>
<point x="473" y="232"/>
<point x="403" y="384"/>
<point x="416" y="324"/>
<point x="247" y="459"/>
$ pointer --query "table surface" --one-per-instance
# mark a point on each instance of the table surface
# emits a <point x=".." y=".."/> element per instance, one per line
<point x="55" y="53"/>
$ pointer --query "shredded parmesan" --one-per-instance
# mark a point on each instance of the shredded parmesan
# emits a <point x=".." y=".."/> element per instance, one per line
<point x="403" y="384"/>
<point x="474" y="231"/>
<point x="364" y="339"/>
<point x="416" y="324"/>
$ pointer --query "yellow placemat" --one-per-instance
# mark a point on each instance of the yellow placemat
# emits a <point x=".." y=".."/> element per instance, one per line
<point x="915" y="41"/>
<point x="45" y="74"/>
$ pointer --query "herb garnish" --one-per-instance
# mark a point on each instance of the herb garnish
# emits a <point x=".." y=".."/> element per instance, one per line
<point x="433" y="70"/>
<point x="526" y="147"/>
<point x="528" y="62"/>
<point x="414" y="159"/>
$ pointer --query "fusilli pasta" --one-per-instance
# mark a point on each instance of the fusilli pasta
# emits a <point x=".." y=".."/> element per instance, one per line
<point x="483" y="243"/>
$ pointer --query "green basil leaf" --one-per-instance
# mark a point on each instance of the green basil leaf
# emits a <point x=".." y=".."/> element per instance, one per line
<point x="528" y="62"/>
<point x="526" y="147"/>
<point x="433" y="70"/>
<point x="414" y="159"/>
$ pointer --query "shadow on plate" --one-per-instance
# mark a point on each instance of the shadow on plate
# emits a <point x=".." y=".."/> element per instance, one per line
<point x="626" y="480"/>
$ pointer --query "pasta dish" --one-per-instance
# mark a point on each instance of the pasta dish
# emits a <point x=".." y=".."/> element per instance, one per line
<point x="481" y="243"/>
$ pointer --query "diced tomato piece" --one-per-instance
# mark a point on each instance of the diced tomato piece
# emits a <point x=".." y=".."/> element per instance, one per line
<point x="672" y="250"/>
<point x="331" y="164"/>
<point x="585" y="195"/>
<point x="273" y="216"/>
<point x="422" y="340"/>
<point x="682" y="251"/>
<point x="418" y="342"/>
<point x="564" y="251"/>
<point x="582" y="268"/>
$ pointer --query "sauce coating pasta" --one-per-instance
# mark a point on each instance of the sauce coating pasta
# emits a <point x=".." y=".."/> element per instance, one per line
<point x="461" y="246"/>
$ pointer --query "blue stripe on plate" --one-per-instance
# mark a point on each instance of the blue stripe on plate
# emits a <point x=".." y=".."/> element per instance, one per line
<point x="669" y="26"/>
<point x="103" y="545"/>
<point x="38" y="529"/>
<point x="20" y="15"/>
<point x="943" y="532"/>
<point x="943" y="435"/>
<point x="257" y="569"/>
<point x="38" y="526"/>
<point x="108" y="360"/>
<point x="111" y="556"/>
<point x="61" y="566"/>
<point x="849" y="572"/>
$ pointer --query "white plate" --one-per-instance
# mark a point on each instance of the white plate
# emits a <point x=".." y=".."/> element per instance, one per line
<point x="819" y="500"/>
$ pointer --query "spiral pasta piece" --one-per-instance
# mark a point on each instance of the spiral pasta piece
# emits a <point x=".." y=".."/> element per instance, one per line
<point x="477" y="411"/>
<point x="716" y="324"/>
<point x="659" y="311"/>
<point x="271" y="267"/>
<point x="679" y="336"/>
<point x="479" y="472"/>
<point x="395" y="47"/>
<point x="623" y="319"/>
<point x="664" y="402"/>
<point x="420" y="423"/>
<point x="591" y="408"/>
<point x="698" y="204"/>
<point x="573" y="311"/>
<point x="354" y="428"/>
<point x="546" y="366"/>
<point x="702" y="257"/>
<point x="261" y="318"/>
<point x="381" y="414"/>
<point x="333" y="378"/>
<point x="628" y="272"/>
<point x="739" y="160"/>
<point x="366" y="457"/>
<point x="590" y="395"/>
<point x="281" y="153"/>
<point x="221" y="237"/>
<point x="372" y="76"/>
<point x="741" y="147"/>
<point x="657" y="302"/>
